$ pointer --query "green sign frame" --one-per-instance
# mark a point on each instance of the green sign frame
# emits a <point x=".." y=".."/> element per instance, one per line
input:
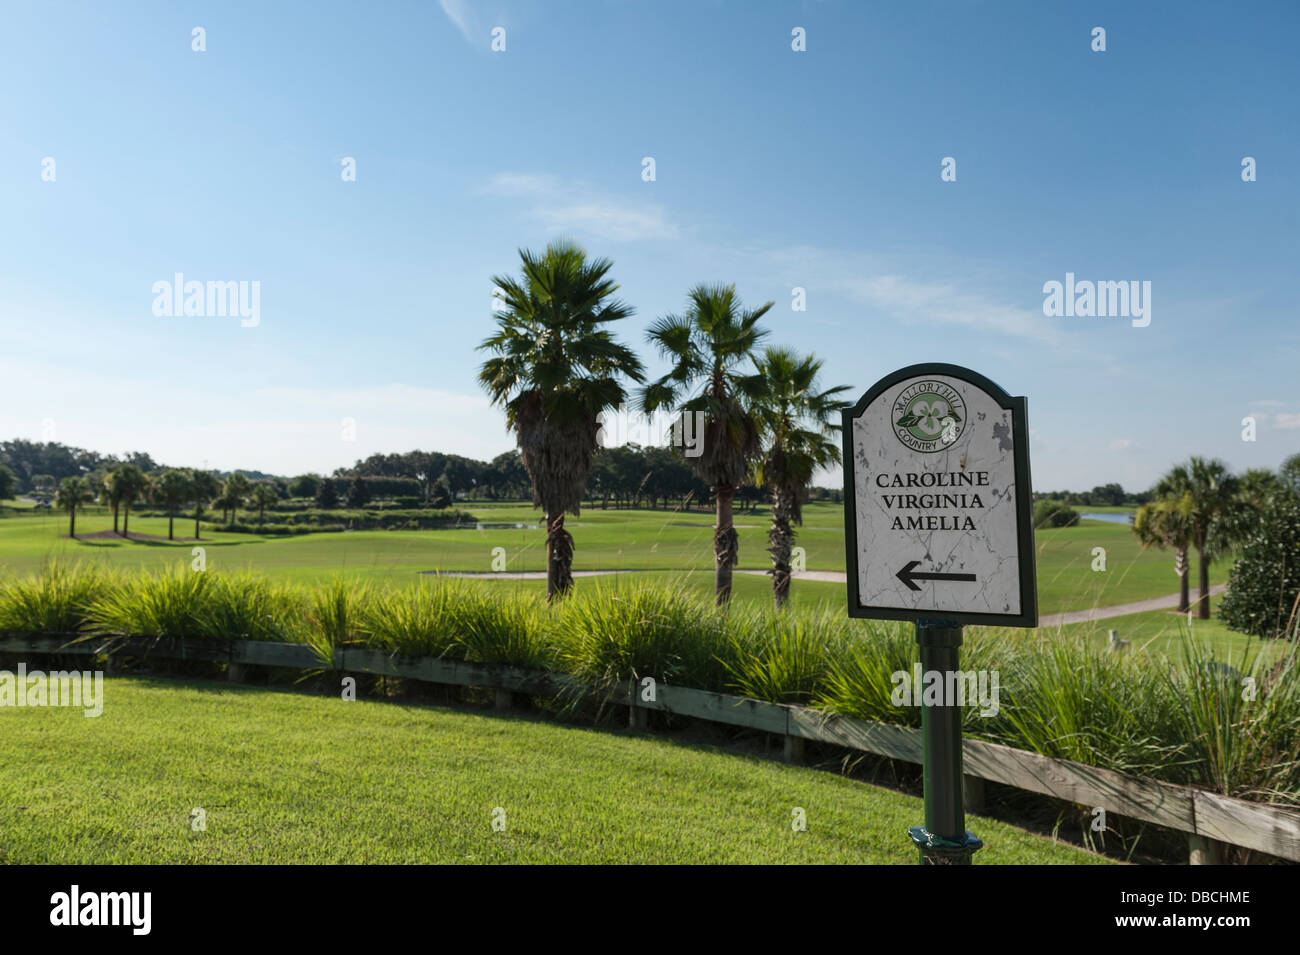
<point x="1028" y="616"/>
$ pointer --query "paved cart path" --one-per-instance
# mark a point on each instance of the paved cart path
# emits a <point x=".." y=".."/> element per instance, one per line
<point x="1121" y="610"/>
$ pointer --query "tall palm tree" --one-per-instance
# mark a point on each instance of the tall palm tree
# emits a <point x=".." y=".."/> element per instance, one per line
<point x="799" y="427"/>
<point x="130" y="483"/>
<point x="112" y="496"/>
<point x="706" y="347"/>
<point x="237" y="488"/>
<point x="554" y="370"/>
<point x="72" y="493"/>
<point x="263" y="496"/>
<point x="172" y="489"/>
<point x="1167" y="522"/>
<point x="1214" y="501"/>
<point x="206" y="489"/>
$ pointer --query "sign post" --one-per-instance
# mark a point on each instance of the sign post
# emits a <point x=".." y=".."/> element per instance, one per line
<point x="939" y="531"/>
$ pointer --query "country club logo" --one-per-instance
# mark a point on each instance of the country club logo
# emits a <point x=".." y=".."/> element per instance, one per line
<point x="929" y="416"/>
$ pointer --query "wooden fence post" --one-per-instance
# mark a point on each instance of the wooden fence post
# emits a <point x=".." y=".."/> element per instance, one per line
<point x="1203" y="851"/>
<point x="972" y="793"/>
<point x="638" y="718"/>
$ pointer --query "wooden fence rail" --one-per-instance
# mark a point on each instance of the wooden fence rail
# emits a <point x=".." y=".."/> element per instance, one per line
<point x="1209" y="819"/>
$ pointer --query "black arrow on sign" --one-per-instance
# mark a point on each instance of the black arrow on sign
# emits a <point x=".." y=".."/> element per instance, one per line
<point x="908" y="576"/>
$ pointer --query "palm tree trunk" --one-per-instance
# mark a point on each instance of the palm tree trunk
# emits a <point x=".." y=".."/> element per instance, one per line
<point x="115" y="518"/>
<point x="780" y="540"/>
<point x="726" y="544"/>
<point x="1183" y="602"/>
<point x="72" y="523"/>
<point x="196" y="523"/>
<point x="559" y="557"/>
<point x="1203" y="601"/>
<point x="126" y="520"/>
<point x="171" y="526"/>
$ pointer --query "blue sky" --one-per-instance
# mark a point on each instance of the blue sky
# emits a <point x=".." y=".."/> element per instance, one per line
<point x="774" y="169"/>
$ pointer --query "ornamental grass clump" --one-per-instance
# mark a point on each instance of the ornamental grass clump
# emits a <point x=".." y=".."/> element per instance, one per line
<point x="246" y="607"/>
<point x="56" y="599"/>
<point x="1239" y="722"/>
<point x="785" y="657"/>
<point x="334" y="617"/>
<point x="417" y="621"/>
<point x="1070" y="700"/>
<point x="612" y="633"/>
<point x="167" y="604"/>
<point x="492" y="627"/>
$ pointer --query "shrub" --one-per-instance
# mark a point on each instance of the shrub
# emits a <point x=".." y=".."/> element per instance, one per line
<point x="1054" y="514"/>
<point x="1264" y="583"/>
<point x="238" y="528"/>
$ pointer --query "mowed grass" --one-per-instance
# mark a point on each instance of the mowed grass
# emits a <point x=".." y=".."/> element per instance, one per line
<point x="627" y="541"/>
<point x="291" y="778"/>
<point x="1166" y="633"/>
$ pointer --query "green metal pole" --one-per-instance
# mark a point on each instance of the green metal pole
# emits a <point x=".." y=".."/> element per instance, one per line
<point x="944" y="839"/>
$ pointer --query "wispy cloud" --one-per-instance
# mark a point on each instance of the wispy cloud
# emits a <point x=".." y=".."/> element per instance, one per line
<point x="581" y="210"/>
<point x="458" y="13"/>
<point x="909" y="295"/>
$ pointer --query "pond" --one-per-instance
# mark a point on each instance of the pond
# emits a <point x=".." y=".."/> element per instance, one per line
<point x="1108" y="517"/>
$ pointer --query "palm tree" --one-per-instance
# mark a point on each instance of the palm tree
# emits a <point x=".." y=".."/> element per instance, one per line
<point x="171" y="490"/>
<point x="222" y="501"/>
<point x="555" y="369"/>
<point x="237" y="489"/>
<point x="706" y="346"/>
<point x="72" y="493"/>
<point x="799" y="426"/>
<point x="1214" y="502"/>
<point x="112" y="495"/>
<point x="1167" y="522"/>
<point x="263" y="496"/>
<point x="130" y="482"/>
<point x="205" y="489"/>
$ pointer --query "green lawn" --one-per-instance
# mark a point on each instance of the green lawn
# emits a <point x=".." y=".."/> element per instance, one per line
<point x="287" y="777"/>
<point x="1166" y="632"/>
<point x="622" y="540"/>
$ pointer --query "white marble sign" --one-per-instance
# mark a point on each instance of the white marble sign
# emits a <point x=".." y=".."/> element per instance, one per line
<point x="937" y="500"/>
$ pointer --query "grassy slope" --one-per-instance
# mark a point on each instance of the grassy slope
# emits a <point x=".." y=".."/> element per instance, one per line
<point x="606" y="540"/>
<point x="1165" y="632"/>
<point x="292" y="778"/>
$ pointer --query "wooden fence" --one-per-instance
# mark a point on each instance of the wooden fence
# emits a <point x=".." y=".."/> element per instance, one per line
<point x="1208" y="819"/>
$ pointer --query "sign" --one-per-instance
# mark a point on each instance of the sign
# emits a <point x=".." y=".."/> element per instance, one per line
<point x="937" y="505"/>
